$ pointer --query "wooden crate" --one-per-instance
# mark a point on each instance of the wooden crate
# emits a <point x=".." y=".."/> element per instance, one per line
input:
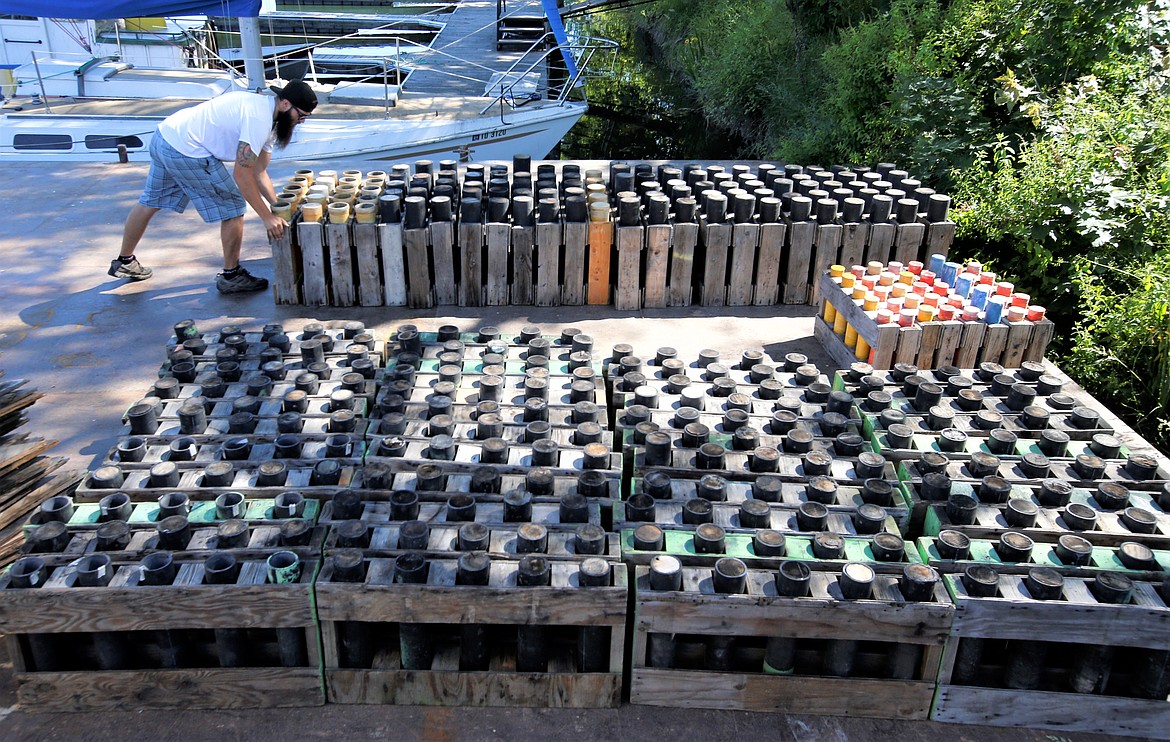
<point x="69" y="616"/>
<point x="1081" y="623"/>
<point x="444" y="606"/>
<point x="930" y="344"/>
<point x="698" y="612"/>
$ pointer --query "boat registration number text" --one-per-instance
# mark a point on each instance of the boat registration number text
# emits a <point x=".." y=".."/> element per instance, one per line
<point x="488" y="135"/>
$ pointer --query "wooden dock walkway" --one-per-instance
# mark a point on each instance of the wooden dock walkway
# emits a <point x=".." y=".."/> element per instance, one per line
<point x="464" y="57"/>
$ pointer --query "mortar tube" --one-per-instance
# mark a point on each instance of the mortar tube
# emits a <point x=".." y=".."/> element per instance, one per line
<point x="221" y="568"/>
<point x="792" y="581"/>
<point x="665" y="575"/>
<point x="1092" y="663"/>
<point x="29" y="573"/>
<point x="355" y="638"/>
<point x="1026" y="658"/>
<point x="474" y="569"/>
<point x="532" y="640"/>
<point x="855" y="582"/>
<point x="112" y="648"/>
<point x="593" y="642"/>
<point x="159" y="569"/>
<point x="415" y="643"/>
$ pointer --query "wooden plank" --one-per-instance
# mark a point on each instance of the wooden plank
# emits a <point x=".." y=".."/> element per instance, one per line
<point x="1042" y="333"/>
<point x="909" y="339"/>
<point x="341" y="279"/>
<point x="970" y="344"/>
<point x="51" y="610"/>
<point x="286" y="268"/>
<point x="800" y="256"/>
<point x="713" y="282"/>
<point x="443" y="259"/>
<point x="393" y="264"/>
<point x="573" y="289"/>
<point x="471" y="246"/>
<point x="881" y="243"/>
<point x="419" y="284"/>
<point x="628" y="291"/>
<point x="882" y="352"/>
<point x="401" y="687"/>
<point x="928" y="344"/>
<point x="853" y="239"/>
<point x="498" y="239"/>
<point x="994" y="341"/>
<point x="548" y="264"/>
<point x="453" y="605"/>
<point x="1069" y="712"/>
<point x="367" y="265"/>
<point x="883" y="699"/>
<point x="948" y="343"/>
<point x="767" y="289"/>
<point x="523" y="265"/>
<point x="811" y="617"/>
<point x="311" y="236"/>
<point x="1019" y="333"/>
<point x="600" y="247"/>
<point x="682" y="263"/>
<point x="745" y="241"/>
<point x="658" y="238"/>
<point x="828" y="246"/>
<point x="939" y="237"/>
<point x="908" y="242"/>
<point x="202" y="688"/>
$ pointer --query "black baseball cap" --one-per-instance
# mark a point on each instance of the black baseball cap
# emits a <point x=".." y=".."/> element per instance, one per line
<point x="298" y="93"/>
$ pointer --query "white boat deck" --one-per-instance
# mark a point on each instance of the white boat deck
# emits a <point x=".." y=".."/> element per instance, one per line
<point x="464" y="56"/>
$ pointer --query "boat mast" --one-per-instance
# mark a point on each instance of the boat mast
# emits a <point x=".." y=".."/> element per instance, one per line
<point x="253" y="56"/>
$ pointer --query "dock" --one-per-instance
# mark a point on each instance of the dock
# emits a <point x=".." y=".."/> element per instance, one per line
<point x="464" y="57"/>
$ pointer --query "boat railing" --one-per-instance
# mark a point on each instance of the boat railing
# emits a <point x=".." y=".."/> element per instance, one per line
<point x="592" y="56"/>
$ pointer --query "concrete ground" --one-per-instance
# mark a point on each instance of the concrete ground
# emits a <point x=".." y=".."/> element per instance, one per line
<point x="92" y="345"/>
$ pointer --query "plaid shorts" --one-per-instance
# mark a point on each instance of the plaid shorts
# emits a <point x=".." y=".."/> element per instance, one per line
<point x="175" y="180"/>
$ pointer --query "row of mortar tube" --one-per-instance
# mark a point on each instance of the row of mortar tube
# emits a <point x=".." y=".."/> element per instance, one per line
<point x="327" y="192"/>
<point x="841" y="327"/>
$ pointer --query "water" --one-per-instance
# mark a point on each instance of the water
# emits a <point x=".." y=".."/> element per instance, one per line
<point x="639" y="112"/>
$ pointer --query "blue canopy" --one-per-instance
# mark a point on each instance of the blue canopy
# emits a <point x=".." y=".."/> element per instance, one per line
<point x="97" y="9"/>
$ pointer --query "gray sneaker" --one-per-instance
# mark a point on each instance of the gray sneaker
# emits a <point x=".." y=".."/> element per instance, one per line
<point x="239" y="283"/>
<point x="133" y="270"/>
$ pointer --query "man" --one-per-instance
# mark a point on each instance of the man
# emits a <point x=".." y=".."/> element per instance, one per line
<point x="187" y="156"/>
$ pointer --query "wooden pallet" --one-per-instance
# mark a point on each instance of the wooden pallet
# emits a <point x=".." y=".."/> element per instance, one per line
<point x="444" y="607"/>
<point x="1081" y="623"/>
<point x="136" y="615"/>
<point x="697" y="613"/>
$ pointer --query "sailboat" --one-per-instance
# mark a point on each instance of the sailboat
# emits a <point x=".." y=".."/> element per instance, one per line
<point x="459" y="97"/>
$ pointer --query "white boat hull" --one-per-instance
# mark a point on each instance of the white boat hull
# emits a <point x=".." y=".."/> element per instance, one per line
<point x="534" y="131"/>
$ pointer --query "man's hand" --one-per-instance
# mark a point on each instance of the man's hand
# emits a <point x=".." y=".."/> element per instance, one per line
<point x="275" y="226"/>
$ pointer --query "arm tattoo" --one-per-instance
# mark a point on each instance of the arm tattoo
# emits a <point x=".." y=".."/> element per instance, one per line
<point x="245" y="156"/>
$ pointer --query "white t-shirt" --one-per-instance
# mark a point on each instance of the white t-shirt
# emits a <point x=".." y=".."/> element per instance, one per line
<point x="216" y="127"/>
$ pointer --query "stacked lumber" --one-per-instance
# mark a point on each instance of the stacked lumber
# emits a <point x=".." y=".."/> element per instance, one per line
<point x="26" y="476"/>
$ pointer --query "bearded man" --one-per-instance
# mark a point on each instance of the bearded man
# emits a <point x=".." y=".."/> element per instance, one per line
<point x="187" y="156"/>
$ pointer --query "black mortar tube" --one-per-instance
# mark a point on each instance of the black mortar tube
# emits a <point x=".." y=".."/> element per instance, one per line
<point x="593" y="641"/>
<point x="532" y="640"/>
<point x="356" y="641"/>
<point x="416" y="646"/>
